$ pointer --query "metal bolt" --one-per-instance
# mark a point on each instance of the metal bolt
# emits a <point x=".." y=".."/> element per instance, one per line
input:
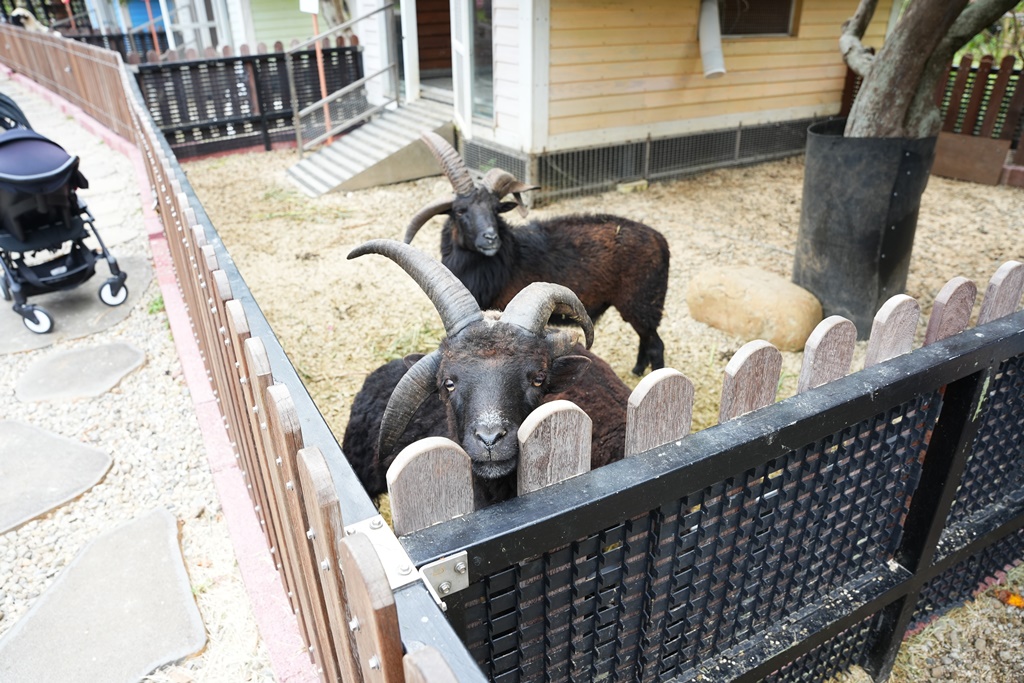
<point x="288" y="485"/>
<point x="376" y="523"/>
<point x="354" y="624"/>
<point x="460" y="567"/>
<point x="374" y="662"/>
<point x="325" y="565"/>
<point x="404" y="569"/>
<point x="445" y="588"/>
<point x="310" y="534"/>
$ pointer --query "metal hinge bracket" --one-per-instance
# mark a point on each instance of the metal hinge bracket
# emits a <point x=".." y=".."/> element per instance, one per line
<point x="397" y="564"/>
<point x="446" y="576"/>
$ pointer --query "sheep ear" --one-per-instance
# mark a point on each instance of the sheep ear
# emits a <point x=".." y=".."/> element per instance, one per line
<point x="411" y="359"/>
<point x="566" y="371"/>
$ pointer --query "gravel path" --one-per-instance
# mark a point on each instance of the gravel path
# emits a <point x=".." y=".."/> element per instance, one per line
<point x="147" y="423"/>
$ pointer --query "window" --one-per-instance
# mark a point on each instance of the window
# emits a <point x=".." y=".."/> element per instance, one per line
<point x="757" y="17"/>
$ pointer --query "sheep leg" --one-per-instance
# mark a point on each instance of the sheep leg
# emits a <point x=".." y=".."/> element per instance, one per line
<point x="651" y="352"/>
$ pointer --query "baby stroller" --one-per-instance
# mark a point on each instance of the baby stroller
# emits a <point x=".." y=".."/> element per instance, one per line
<point x="43" y="223"/>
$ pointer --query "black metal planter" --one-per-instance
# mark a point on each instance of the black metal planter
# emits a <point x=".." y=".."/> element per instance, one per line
<point x="860" y="205"/>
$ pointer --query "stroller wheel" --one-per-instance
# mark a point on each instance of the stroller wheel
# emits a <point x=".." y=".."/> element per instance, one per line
<point x="109" y="297"/>
<point x="4" y="289"/>
<point x="37" y="320"/>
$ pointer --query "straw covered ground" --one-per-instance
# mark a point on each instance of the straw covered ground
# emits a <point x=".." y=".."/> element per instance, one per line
<point x="339" y="319"/>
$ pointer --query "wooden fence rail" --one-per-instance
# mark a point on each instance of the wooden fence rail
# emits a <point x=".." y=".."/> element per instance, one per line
<point x="554" y="441"/>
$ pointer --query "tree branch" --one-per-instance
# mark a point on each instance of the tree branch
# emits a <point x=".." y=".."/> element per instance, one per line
<point x="855" y="54"/>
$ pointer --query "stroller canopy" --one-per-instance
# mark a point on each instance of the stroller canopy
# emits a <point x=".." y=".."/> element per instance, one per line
<point x="35" y="164"/>
<point x="11" y="115"/>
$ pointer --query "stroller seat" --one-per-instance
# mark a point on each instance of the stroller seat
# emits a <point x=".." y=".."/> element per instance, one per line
<point x="43" y="225"/>
<point x="37" y="183"/>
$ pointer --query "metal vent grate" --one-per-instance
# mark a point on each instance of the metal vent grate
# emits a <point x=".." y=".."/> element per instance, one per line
<point x="482" y="157"/>
<point x="588" y="171"/>
<point x="653" y="597"/>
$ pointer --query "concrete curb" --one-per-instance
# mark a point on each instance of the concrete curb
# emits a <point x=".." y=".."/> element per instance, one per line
<point x="277" y="623"/>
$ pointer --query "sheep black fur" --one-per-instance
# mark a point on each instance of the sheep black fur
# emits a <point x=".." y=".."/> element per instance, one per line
<point x="599" y="392"/>
<point x="606" y="260"/>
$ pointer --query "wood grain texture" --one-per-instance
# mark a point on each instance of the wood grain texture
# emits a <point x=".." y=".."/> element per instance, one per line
<point x="429" y="482"/>
<point x="751" y="379"/>
<point x="426" y="665"/>
<point x="951" y="311"/>
<point x="827" y="353"/>
<point x="659" y="411"/>
<point x="258" y="366"/>
<point x="893" y="329"/>
<point x="323" y="511"/>
<point x="554" y="445"/>
<point x="286" y="439"/>
<point x="1002" y="296"/>
<point x="374" y="615"/>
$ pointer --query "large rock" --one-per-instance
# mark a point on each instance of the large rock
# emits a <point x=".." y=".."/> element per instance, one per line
<point x="754" y="304"/>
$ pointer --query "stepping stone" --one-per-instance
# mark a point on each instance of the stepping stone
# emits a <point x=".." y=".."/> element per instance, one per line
<point x="76" y="312"/>
<point x="78" y="373"/>
<point x="41" y="471"/>
<point x="122" y="608"/>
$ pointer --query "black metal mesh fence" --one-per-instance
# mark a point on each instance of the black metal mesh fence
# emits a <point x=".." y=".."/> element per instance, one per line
<point x="652" y="598"/>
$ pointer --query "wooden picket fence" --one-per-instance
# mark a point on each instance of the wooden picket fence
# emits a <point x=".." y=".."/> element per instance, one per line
<point x="554" y="441"/>
<point x="345" y="597"/>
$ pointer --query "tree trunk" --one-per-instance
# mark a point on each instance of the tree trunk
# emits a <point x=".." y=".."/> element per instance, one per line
<point x="896" y="95"/>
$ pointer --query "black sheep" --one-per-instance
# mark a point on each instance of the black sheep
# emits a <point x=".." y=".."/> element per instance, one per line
<point x="489" y="372"/>
<point x="605" y="260"/>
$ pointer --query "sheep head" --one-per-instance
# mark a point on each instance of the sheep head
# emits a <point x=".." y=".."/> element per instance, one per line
<point x="473" y="207"/>
<point x="492" y="369"/>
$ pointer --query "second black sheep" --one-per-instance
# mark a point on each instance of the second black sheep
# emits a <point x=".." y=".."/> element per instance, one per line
<point x="606" y="260"/>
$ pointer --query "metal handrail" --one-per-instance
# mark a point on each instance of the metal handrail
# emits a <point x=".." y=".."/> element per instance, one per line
<point x="297" y="116"/>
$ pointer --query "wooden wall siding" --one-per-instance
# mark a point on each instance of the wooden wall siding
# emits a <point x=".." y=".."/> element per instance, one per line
<point x="507" y="58"/>
<point x="273" y="20"/>
<point x="633" y="66"/>
<point x="433" y="21"/>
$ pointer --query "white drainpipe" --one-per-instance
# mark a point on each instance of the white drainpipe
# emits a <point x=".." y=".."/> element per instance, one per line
<point x="709" y="33"/>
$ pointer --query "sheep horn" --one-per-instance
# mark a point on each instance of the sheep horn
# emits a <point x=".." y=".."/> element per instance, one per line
<point x="453" y="302"/>
<point x="425" y="214"/>
<point x="415" y="386"/>
<point x="500" y="182"/>
<point x="533" y="306"/>
<point x="451" y="163"/>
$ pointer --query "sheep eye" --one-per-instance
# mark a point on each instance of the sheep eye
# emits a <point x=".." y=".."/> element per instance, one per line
<point x="538" y="379"/>
<point x="449" y="385"/>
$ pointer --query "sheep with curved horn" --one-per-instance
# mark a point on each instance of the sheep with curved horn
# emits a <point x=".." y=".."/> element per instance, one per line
<point x="606" y="260"/>
<point x="489" y="372"/>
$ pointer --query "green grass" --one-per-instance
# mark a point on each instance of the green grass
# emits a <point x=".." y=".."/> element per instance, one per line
<point x="156" y="305"/>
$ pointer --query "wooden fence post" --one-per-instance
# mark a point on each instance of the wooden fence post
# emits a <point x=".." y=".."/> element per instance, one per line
<point x="659" y="411"/>
<point x="1002" y="296"/>
<point x="327" y="529"/>
<point x="430" y="481"/>
<point x="827" y="353"/>
<point x="751" y="379"/>
<point x="893" y="329"/>
<point x="374" y="615"/>
<point x="286" y="437"/>
<point x="951" y="311"/>
<point x="554" y="445"/>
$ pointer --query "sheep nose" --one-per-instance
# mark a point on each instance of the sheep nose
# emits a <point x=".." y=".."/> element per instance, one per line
<point x="489" y="437"/>
<point x="490" y="237"/>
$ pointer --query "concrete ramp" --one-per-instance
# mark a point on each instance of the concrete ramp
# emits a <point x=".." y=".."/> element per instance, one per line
<point x="383" y="151"/>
